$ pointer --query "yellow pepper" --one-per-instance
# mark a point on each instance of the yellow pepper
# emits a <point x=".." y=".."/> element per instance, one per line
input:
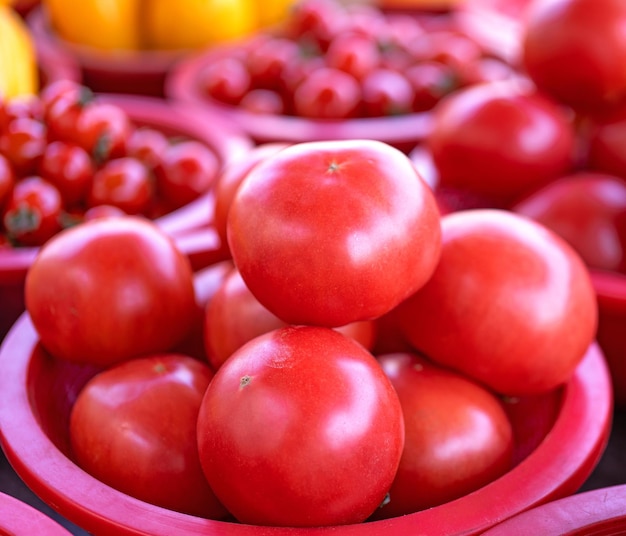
<point x="18" y="64"/>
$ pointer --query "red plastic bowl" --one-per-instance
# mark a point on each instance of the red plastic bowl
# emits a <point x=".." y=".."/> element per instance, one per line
<point x="195" y="219"/>
<point x="403" y="131"/>
<point x="560" y="435"/>
<point x="20" y="519"/>
<point x="599" y="512"/>
<point x="127" y="72"/>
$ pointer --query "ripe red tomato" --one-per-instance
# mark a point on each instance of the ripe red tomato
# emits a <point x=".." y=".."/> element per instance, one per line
<point x="386" y="92"/>
<point x="605" y="143"/>
<point x="587" y="209"/>
<point x="225" y="79"/>
<point x="328" y="233"/>
<point x="133" y="427"/>
<point x="575" y="50"/>
<point x="146" y="144"/>
<point x="458" y="437"/>
<point x="102" y="130"/>
<point x="510" y="304"/>
<point x="353" y="53"/>
<point x="500" y="140"/>
<point x="23" y="143"/>
<point x="108" y="290"/>
<point x="300" y="427"/>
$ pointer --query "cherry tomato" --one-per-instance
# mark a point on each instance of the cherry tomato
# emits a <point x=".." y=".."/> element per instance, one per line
<point x="458" y="436"/>
<point x="300" y="427"/>
<point x="102" y="130"/>
<point x="23" y="143"/>
<point x="353" y="53"/>
<point x="33" y="211"/>
<point x="263" y="101"/>
<point x="186" y="170"/>
<point x="103" y="211"/>
<point x="316" y="21"/>
<point x="575" y="50"/>
<point x="587" y="209"/>
<point x="146" y="144"/>
<point x="62" y="112"/>
<point x="69" y="168"/>
<point x="125" y="183"/>
<point x="266" y="62"/>
<point x="328" y="94"/>
<point x="226" y="79"/>
<point x="605" y="143"/>
<point x="108" y="290"/>
<point x="501" y="275"/>
<point x="386" y="92"/>
<point x="430" y="82"/>
<point x="500" y="140"/>
<point x="329" y="233"/>
<point x="133" y="427"/>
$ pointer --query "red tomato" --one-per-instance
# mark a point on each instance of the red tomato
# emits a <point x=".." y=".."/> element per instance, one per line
<point x="225" y="79"/>
<point x="266" y="62"/>
<point x="263" y="101"/>
<point x="186" y="170"/>
<point x="575" y="50"/>
<point x="430" y="82"/>
<point x="23" y="143"/>
<point x="318" y="21"/>
<point x="62" y="110"/>
<point x="353" y="53"/>
<point x="7" y="180"/>
<point x="588" y="210"/>
<point x="33" y="211"/>
<point x="102" y="130"/>
<point x="510" y="304"/>
<point x="125" y="183"/>
<point x="386" y="92"/>
<point x="230" y="177"/>
<point x="133" y="427"/>
<point x="458" y="436"/>
<point x="606" y="142"/>
<point x="69" y="168"/>
<point x="328" y="94"/>
<point x="300" y="427"/>
<point x="146" y="144"/>
<point x="328" y="233"/>
<point x="108" y="290"/>
<point x="500" y="140"/>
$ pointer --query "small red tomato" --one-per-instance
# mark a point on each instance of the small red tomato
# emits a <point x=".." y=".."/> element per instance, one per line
<point x="386" y="92"/>
<point x="69" y="168"/>
<point x="510" y="303"/>
<point x="430" y="81"/>
<point x="606" y="139"/>
<point x="23" y="143"/>
<point x="103" y="211"/>
<point x="125" y="183"/>
<point x="225" y="79"/>
<point x="266" y="62"/>
<point x="263" y="101"/>
<point x="329" y="233"/>
<point x="354" y="54"/>
<point x="146" y="144"/>
<point x="33" y="212"/>
<point x="458" y="436"/>
<point x="108" y="290"/>
<point x="328" y="94"/>
<point x="320" y="400"/>
<point x="186" y="170"/>
<point x="133" y="427"/>
<point x="316" y="21"/>
<point x="102" y="130"/>
<point x="62" y="112"/>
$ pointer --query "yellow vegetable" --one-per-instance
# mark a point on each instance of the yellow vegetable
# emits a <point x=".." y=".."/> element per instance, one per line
<point x="272" y="12"/>
<point x="105" y="24"/>
<point x="186" y="24"/>
<point x="18" y="64"/>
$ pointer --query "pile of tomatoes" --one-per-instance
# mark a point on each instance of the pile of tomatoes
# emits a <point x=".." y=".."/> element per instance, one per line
<point x="328" y="60"/>
<point x="350" y="361"/>
<point x="67" y="156"/>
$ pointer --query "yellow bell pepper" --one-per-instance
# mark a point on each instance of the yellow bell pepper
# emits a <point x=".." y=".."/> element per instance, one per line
<point x="18" y="65"/>
<point x="187" y="24"/>
<point x="104" y="24"/>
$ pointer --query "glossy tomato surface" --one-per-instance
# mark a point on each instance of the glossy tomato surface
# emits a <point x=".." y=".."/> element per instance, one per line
<point x="510" y="304"/>
<point x="499" y="140"/>
<point x="588" y="209"/>
<point x="328" y="233"/>
<point x="458" y="436"/>
<point x="110" y="289"/>
<point x="133" y="427"/>
<point x="300" y="427"/>
<point x="575" y="50"/>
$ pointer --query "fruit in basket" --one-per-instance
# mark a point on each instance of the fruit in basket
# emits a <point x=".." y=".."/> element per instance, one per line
<point x="329" y="233"/>
<point x="300" y="427"/>
<point x="109" y="290"/>
<point x="18" y="66"/>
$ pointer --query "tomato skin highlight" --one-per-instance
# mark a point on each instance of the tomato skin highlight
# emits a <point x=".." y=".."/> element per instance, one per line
<point x="300" y="427"/>
<point x="328" y="233"/>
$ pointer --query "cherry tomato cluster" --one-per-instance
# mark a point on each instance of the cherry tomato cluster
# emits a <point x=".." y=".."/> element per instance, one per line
<point x="68" y="156"/>
<point x="334" y="61"/>
<point x="319" y="375"/>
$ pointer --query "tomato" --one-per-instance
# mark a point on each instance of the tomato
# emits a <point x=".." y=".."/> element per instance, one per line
<point x="300" y="427"/>
<point x="230" y="177"/>
<point x="70" y="168"/>
<point x="263" y="101"/>
<point x="266" y="62"/>
<point x="23" y="143"/>
<point x="575" y="51"/>
<point x="458" y="436"/>
<point x="146" y="144"/>
<point x="33" y="211"/>
<point x="102" y="130"/>
<point x="587" y="209"/>
<point x="186" y="170"/>
<point x="500" y="140"/>
<point x="328" y="93"/>
<point x="354" y="54"/>
<point x="606" y="137"/>
<point x="328" y="233"/>
<point x="317" y="21"/>
<point x="226" y="79"/>
<point x="7" y="180"/>
<point x="133" y="427"/>
<point x="108" y="290"/>
<point x="510" y="304"/>
<point x="430" y="82"/>
<point x="61" y="112"/>
<point x="386" y="92"/>
<point x="125" y="183"/>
